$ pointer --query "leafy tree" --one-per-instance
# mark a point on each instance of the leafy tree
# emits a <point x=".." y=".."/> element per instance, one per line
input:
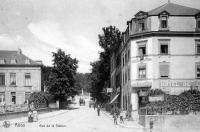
<point x="61" y="81"/>
<point x="46" y="71"/>
<point x="39" y="99"/>
<point x="110" y="41"/>
<point x="82" y="81"/>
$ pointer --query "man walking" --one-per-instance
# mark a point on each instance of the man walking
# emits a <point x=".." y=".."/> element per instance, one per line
<point x="115" y="118"/>
<point x="98" y="110"/>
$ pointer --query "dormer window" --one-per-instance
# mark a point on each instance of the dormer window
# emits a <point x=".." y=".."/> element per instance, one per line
<point x="141" y="20"/>
<point x="141" y="25"/>
<point x="2" y="61"/>
<point x="27" y="61"/>
<point x="198" y="22"/>
<point x="13" y="61"/>
<point x="164" y="20"/>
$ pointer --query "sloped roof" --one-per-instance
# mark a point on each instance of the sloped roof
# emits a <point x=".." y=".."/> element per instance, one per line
<point x="174" y="9"/>
<point x="19" y="57"/>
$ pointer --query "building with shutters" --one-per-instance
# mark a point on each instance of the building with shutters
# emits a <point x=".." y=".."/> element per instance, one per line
<point x="160" y="50"/>
<point x="19" y="77"/>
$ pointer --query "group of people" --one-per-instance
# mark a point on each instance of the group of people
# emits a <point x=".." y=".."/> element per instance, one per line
<point x="115" y="112"/>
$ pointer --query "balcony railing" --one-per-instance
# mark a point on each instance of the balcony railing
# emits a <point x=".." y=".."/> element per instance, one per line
<point x="13" y="108"/>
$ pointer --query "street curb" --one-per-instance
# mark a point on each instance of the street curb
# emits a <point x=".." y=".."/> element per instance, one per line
<point x="26" y="121"/>
<point x="121" y="125"/>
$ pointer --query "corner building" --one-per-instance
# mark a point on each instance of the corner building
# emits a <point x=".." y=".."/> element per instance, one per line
<point x="19" y="77"/>
<point x="160" y="50"/>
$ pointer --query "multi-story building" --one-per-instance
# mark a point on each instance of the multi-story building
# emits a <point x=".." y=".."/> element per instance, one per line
<point x="160" y="50"/>
<point x="19" y="77"/>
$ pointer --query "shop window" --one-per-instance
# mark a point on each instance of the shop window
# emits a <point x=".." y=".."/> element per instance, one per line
<point x="12" y="78"/>
<point x="2" y="79"/>
<point x="198" y="70"/>
<point x="27" y="79"/>
<point x="164" y="70"/>
<point x="13" y="97"/>
<point x="142" y="72"/>
<point x="197" y="46"/>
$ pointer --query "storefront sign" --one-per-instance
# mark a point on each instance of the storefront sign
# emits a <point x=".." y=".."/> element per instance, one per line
<point x="179" y="83"/>
<point x="143" y="93"/>
<point x="141" y="84"/>
<point x="156" y="98"/>
<point x="109" y="90"/>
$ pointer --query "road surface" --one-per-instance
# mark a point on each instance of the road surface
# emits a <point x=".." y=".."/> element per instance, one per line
<point x="82" y="119"/>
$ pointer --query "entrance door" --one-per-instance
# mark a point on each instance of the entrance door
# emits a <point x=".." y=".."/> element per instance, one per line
<point x="143" y="98"/>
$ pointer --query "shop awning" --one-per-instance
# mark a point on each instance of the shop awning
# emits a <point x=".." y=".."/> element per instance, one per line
<point x="114" y="99"/>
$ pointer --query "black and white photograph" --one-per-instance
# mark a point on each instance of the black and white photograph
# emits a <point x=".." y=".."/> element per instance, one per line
<point x="99" y="65"/>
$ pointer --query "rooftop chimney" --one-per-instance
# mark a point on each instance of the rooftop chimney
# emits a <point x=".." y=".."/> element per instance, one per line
<point x="38" y="61"/>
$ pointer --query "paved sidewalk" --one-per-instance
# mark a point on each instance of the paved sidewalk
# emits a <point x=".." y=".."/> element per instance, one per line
<point x="40" y="117"/>
<point x="126" y="124"/>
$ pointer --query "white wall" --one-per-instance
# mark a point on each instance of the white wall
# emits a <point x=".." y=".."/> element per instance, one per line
<point x="176" y="23"/>
<point x="181" y="58"/>
<point x="20" y="88"/>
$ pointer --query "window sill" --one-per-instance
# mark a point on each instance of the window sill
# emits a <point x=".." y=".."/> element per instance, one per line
<point x="163" y="29"/>
<point x="27" y="86"/>
<point x="12" y="85"/>
<point x="164" y="54"/>
<point x="197" y="30"/>
<point x="140" y="79"/>
<point x="164" y="78"/>
<point x="197" y="54"/>
<point x="2" y="85"/>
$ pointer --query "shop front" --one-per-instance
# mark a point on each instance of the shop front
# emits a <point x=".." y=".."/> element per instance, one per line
<point x="139" y="95"/>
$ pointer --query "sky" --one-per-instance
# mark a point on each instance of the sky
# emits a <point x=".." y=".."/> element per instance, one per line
<point x="40" y="27"/>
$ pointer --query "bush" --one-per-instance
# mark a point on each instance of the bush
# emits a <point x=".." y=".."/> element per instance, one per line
<point x="39" y="99"/>
<point x="188" y="101"/>
<point x="154" y="92"/>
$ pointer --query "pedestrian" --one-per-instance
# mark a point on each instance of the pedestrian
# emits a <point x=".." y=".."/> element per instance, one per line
<point x="151" y="124"/>
<point x="115" y="118"/>
<point x="94" y="106"/>
<point x="98" y="110"/>
<point x="122" y="117"/>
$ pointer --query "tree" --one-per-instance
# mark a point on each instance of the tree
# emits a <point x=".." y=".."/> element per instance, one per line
<point x="46" y="71"/>
<point x="39" y="99"/>
<point x="82" y="81"/>
<point x="110" y="41"/>
<point x="61" y="81"/>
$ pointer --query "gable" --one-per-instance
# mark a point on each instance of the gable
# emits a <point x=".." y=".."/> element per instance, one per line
<point x="141" y="15"/>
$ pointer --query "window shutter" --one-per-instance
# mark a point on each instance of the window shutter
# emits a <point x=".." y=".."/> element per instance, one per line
<point x="164" y="70"/>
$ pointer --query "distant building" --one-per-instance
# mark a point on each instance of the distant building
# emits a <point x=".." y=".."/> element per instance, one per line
<point x="160" y="50"/>
<point x="19" y="77"/>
